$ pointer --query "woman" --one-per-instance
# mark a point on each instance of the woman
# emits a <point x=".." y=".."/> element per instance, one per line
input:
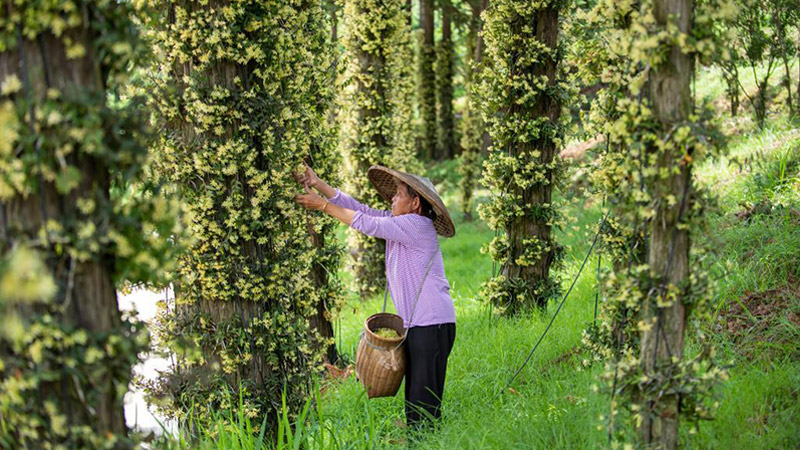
<point x="413" y="258"/>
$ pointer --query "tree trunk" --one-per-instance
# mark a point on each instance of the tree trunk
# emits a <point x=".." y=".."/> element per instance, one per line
<point x="444" y="78"/>
<point x="333" y="11"/>
<point x="376" y="40"/>
<point x="760" y="104"/>
<point x="732" y="83"/>
<point x="474" y="29"/>
<point x="788" y="85"/>
<point x="321" y="321"/>
<point x="669" y="245"/>
<point x="243" y="309"/>
<point x="402" y="67"/>
<point x="368" y="252"/>
<point x="471" y="124"/>
<point x="427" y="81"/>
<point x="780" y="30"/>
<point x="236" y="309"/>
<point x="486" y="139"/>
<point x="520" y="230"/>
<point x="86" y="288"/>
<point x="255" y="295"/>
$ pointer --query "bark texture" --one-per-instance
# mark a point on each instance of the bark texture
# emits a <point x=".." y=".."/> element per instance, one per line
<point x="668" y="256"/>
<point x="427" y="80"/>
<point x="87" y="290"/>
<point x="523" y="228"/>
<point x="444" y="78"/>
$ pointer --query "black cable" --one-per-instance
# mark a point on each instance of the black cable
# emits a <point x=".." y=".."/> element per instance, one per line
<point x="575" y="280"/>
<point x="597" y="275"/>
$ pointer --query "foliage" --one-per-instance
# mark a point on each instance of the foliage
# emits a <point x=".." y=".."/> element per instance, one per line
<point x="375" y="111"/>
<point x="522" y="92"/>
<point x="554" y="402"/>
<point x="642" y="153"/>
<point x="403" y="96"/>
<point x="759" y="34"/>
<point x="72" y="150"/>
<point x="239" y="93"/>
<point x="426" y="80"/>
<point x="471" y="126"/>
<point x="445" y="70"/>
<point x="469" y="160"/>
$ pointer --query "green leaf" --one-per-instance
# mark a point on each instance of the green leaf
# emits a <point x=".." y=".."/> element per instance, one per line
<point x="68" y="180"/>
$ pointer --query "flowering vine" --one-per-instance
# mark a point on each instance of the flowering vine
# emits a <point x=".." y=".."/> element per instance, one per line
<point x="522" y="92"/>
<point x="239" y="92"/>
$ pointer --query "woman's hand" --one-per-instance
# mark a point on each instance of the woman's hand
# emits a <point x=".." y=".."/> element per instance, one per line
<point x="310" y="179"/>
<point x="307" y="178"/>
<point x="310" y="200"/>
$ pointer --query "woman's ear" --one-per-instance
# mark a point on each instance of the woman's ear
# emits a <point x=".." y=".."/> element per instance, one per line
<point x="416" y="205"/>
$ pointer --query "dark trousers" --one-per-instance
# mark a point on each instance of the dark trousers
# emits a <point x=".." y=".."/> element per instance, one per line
<point x="427" y="349"/>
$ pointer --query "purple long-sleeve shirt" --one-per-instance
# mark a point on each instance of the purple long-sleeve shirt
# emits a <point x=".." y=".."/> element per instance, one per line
<point x="411" y="242"/>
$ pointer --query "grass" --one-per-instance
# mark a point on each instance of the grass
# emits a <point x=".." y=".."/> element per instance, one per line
<point x="552" y="403"/>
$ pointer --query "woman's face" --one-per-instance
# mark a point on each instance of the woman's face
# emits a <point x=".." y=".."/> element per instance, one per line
<point x="402" y="202"/>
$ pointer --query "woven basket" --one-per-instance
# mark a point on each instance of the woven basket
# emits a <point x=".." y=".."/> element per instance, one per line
<point x="381" y="362"/>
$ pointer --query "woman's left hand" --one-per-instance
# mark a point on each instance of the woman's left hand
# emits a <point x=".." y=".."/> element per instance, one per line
<point x="310" y="200"/>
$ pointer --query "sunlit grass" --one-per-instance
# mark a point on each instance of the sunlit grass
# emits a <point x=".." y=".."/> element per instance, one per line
<point x="552" y="403"/>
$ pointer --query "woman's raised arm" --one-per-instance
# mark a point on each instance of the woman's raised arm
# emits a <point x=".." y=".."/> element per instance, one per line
<point x="310" y="179"/>
<point x="337" y="197"/>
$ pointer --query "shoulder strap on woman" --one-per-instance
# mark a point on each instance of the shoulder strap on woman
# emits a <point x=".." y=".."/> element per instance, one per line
<point x="419" y="290"/>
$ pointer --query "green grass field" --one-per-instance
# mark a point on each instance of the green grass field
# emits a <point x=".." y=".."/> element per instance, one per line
<point x="553" y="403"/>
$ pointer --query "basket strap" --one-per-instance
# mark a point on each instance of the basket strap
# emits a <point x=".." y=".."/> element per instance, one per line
<point x="385" y="295"/>
<point x="419" y="291"/>
<point x="413" y="310"/>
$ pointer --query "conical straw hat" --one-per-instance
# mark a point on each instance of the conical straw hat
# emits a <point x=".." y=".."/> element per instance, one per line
<point x="383" y="180"/>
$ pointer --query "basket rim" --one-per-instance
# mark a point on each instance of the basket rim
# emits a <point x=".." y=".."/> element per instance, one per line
<point x="375" y="336"/>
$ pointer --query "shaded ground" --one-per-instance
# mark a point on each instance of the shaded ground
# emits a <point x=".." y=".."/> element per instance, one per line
<point x="765" y="324"/>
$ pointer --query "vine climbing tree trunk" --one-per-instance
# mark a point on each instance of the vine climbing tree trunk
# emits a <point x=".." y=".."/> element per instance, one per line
<point x="376" y="109"/>
<point x="522" y="46"/>
<point x="444" y="78"/>
<point x="66" y="238"/>
<point x="664" y="313"/>
<point x="427" y="80"/>
<point x="240" y="105"/>
<point x="43" y="64"/>
<point x="480" y="48"/>
<point x="472" y="128"/>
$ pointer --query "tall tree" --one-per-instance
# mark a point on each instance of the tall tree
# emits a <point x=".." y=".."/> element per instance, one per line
<point x="240" y="92"/>
<point x="445" y="70"/>
<point x="522" y="93"/>
<point x="427" y="80"/>
<point x="668" y="243"/>
<point x="669" y="91"/>
<point x="480" y="49"/>
<point x="655" y="135"/>
<point x="374" y="100"/>
<point x="402" y="153"/>
<point x="471" y="124"/>
<point x="756" y="44"/>
<point x="70" y="150"/>
<point x="783" y="14"/>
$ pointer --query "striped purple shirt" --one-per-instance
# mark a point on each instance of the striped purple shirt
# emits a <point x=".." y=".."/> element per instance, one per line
<point x="411" y="242"/>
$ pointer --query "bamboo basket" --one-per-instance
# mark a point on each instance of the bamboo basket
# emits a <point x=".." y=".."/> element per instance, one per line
<point x="381" y="362"/>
